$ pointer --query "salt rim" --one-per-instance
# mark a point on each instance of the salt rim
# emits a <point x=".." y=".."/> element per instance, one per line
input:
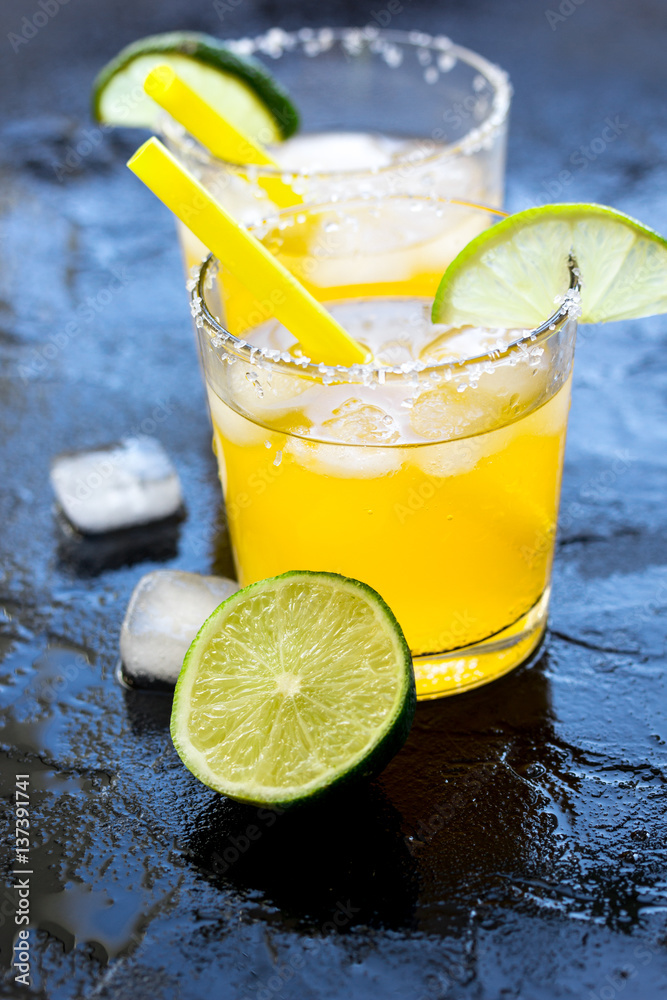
<point x="313" y="41"/>
<point x="569" y="307"/>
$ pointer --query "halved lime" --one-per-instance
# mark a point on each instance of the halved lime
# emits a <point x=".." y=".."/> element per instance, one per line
<point x="515" y="273"/>
<point x="293" y="685"/>
<point x="238" y="88"/>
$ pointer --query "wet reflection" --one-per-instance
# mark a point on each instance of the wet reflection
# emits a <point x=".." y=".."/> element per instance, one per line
<point x="51" y="703"/>
<point x="330" y="866"/>
<point x="148" y="711"/>
<point x="91" y="555"/>
<point x="487" y="808"/>
<point x="482" y="787"/>
<point x="469" y="808"/>
<point x="222" y="558"/>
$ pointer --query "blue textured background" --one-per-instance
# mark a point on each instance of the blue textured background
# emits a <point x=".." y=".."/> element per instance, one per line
<point x="516" y="848"/>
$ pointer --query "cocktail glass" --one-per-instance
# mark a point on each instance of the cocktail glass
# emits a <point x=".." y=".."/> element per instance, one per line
<point x="383" y="112"/>
<point x="432" y="474"/>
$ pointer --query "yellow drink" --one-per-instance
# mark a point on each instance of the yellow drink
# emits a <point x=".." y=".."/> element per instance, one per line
<point x="382" y="113"/>
<point x="433" y="476"/>
<point x="358" y="164"/>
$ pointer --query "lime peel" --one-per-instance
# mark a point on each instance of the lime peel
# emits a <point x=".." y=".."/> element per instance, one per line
<point x="515" y="273"/>
<point x="238" y="87"/>
<point x="294" y="685"/>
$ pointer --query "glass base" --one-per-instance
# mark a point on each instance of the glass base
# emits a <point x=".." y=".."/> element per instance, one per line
<point x="439" y="675"/>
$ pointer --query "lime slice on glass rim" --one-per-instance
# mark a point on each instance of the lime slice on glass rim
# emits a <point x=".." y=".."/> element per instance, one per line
<point x="294" y="685"/>
<point x="515" y="273"/>
<point x="239" y="88"/>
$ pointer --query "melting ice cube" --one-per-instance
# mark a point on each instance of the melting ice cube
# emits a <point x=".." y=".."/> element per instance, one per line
<point x="453" y="410"/>
<point x="339" y="151"/>
<point x="361" y="423"/>
<point x="368" y="432"/>
<point x="116" y="486"/>
<point x="166" y="610"/>
<point x="459" y="342"/>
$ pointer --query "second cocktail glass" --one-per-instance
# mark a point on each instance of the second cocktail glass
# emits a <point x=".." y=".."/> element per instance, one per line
<point x="432" y="474"/>
<point x="383" y="112"/>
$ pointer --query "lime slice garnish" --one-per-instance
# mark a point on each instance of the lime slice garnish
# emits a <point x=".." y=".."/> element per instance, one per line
<point x="238" y="88"/>
<point x="515" y="273"/>
<point x="293" y="685"/>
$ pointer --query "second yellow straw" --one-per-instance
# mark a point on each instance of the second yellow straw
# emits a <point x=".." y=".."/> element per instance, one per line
<point x="322" y="338"/>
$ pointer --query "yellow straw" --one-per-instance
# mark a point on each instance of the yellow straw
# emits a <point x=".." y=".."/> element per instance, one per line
<point x="214" y="132"/>
<point x="321" y="337"/>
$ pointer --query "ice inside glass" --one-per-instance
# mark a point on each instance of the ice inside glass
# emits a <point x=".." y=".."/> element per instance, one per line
<point x="431" y="473"/>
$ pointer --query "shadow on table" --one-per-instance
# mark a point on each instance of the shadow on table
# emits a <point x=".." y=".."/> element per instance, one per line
<point x="485" y="788"/>
<point x="329" y="866"/>
<point x="91" y="555"/>
<point x="463" y="818"/>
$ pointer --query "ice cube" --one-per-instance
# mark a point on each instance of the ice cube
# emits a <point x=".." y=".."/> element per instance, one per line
<point x="264" y="394"/>
<point x="116" y="486"/>
<point x="249" y="398"/>
<point x="453" y="410"/>
<point x="455" y="458"/>
<point x="518" y="380"/>
<point x="459" y="342"/>
<point x="231" y="425"/>
<point x="394" y="353"/>
<point x="519" y="383"/>
<point x="482" y="420"/>
<point x="357" y="422"/>
<point x="338" y="151"/>
<point x="344" y="461"/>
<point x="166" y="610"/>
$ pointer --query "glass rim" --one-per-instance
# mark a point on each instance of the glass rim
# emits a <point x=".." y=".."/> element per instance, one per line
<point x="475" y="138"/>
<point x="261" y="357"/>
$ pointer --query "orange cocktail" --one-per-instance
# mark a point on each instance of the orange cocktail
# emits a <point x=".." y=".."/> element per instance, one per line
<point x="432" y="474"/>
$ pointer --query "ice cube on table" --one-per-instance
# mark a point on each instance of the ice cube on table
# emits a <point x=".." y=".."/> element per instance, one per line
<point x="166" y="610"/>
<point x="116" y="486"/>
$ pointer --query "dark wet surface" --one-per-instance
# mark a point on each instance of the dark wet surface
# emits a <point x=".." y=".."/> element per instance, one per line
<point x="517" y="846"/>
